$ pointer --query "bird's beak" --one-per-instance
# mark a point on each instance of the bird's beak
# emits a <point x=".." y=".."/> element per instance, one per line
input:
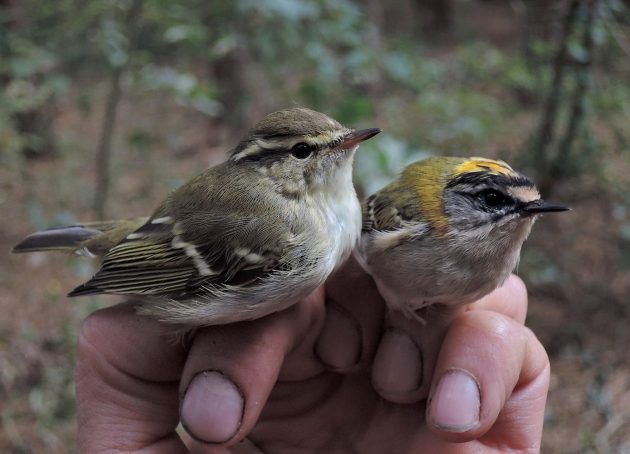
<point x="354" y="138"/>
<point x="540" y="206"/>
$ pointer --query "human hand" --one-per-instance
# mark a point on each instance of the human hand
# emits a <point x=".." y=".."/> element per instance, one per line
<point x="325" y="375"/>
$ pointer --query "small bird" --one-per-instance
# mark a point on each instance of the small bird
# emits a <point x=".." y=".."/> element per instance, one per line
<point x="246" y="238"/>
<point x="448" y="230"/>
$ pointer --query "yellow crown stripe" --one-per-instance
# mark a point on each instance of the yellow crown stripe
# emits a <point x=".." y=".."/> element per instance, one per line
<point x="483" y="165"/>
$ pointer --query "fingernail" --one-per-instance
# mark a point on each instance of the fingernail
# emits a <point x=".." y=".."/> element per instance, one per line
<point x="339" y="343"/>
<point x="212" y="408"/>
<point x="397" y="367"/>
<point x="455" y="403"/>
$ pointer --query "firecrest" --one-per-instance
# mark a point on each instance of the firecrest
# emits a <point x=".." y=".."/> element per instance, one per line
<point x="448" y="230"/>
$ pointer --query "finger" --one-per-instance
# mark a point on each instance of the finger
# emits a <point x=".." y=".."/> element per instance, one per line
<point x="486" y="360"/>
<point x="127" y="397"/>
<point x="232" y="369"/>
<point x="354" y="319"/>
<point x="406" y="356"/>
<point x="510" y="300"/>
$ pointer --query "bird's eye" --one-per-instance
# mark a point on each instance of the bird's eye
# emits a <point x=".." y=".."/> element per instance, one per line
<point x="493" y="198"/>
<point x="301" y="150"/>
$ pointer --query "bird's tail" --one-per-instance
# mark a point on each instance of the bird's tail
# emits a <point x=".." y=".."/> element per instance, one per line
<point x="90" y="238"/>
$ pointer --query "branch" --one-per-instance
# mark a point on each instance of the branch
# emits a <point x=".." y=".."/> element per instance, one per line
<point x="550" y="114"/>
<point x="582" y="83"/>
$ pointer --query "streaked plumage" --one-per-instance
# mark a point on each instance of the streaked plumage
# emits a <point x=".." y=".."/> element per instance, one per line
<point x="448" y="230"/>
<point x="248" y="237"/>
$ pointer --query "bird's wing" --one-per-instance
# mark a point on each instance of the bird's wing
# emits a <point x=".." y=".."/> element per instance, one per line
<point x="380" y="213"/>
<point x="176" y="259"/>
<point x="184" y="247"/>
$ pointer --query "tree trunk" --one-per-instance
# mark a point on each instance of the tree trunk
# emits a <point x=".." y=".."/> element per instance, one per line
<point x="582" y="82"/>
<point x="104" y="151"/>
<point x="550" y="114"/>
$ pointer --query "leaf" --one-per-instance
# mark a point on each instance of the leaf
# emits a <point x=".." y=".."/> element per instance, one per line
<point x="578" y="52"/>
<point x="113" y="42"/>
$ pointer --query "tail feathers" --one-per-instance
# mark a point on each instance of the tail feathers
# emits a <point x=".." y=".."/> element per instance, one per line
<point x="91" y="238"/>
<point x="84" y="289"/>
<point x="68" y="239"/>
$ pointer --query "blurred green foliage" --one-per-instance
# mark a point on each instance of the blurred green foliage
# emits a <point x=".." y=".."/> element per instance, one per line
<point x="220" y="58"/>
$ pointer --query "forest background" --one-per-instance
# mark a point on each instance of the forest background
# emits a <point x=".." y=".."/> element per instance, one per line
<point x="107" y="105"/>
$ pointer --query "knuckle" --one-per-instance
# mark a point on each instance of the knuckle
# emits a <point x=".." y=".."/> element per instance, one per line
<point x="91" y="330"/>
<point x="490" y="324"/>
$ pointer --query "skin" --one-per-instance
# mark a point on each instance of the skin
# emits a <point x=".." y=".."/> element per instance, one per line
<point x="326" y="375"/>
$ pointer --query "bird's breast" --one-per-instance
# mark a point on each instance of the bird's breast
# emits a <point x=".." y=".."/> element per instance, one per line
<point x="339" y="219"/>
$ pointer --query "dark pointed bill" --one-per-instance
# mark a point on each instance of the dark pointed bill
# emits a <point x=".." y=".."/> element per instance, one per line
<point x="540" y="206"/>
<point x="356" y="137"/>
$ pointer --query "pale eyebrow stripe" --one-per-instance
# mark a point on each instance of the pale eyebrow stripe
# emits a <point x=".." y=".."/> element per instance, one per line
<point x="524" y="193"/>
<point x="260" y="143"/>
<point x="287" y="142"/>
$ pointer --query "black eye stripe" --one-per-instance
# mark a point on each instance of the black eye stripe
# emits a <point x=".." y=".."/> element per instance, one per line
<point x="493" y="200"/>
